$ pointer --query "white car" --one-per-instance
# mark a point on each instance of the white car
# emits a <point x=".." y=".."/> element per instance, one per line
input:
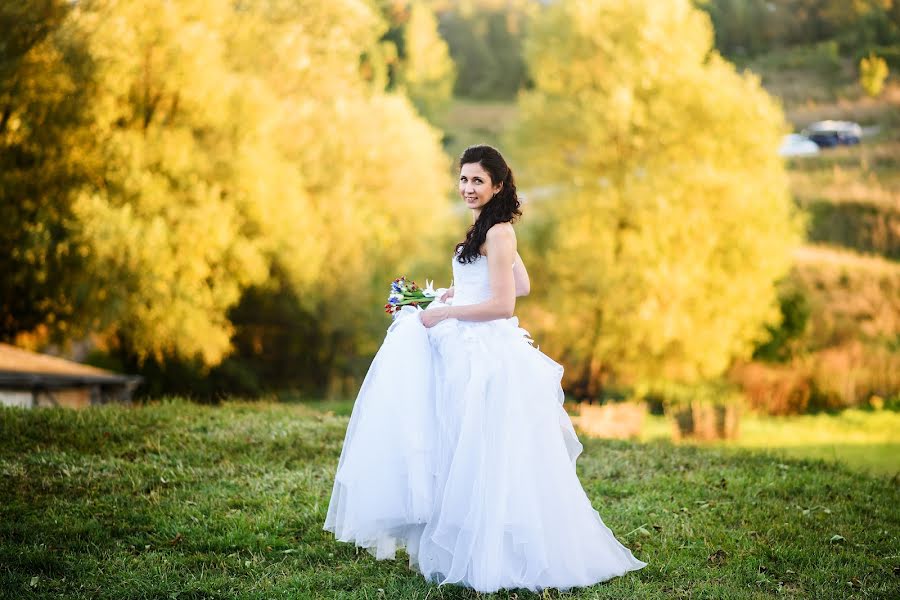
<point x="797" y="145"/>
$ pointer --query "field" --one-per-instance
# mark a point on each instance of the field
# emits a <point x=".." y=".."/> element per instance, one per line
<point x="866" y="441"/>
<point x="177" y="500"/>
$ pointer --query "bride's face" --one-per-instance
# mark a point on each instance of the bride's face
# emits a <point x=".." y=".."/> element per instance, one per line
<point x="475" y="185"/>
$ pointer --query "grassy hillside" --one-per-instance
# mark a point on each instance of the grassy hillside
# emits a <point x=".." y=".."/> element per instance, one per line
<point x="860" y="294"/>
<point x="852" y="194"/>
<point x="175" y="500"/>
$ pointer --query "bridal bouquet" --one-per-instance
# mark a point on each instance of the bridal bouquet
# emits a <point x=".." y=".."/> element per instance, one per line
<point x="407" y="293"/>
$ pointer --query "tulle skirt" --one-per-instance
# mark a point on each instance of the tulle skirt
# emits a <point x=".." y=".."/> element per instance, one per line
<point x="459" y="450"/>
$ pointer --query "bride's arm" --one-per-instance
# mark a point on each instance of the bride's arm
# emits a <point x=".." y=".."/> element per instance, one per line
<point x="523" y="284"/>
<point x="500" y="246"/>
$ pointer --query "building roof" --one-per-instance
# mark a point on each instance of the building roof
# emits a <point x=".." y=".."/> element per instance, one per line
<point x="17" y="359"/>
<point x="22" y="368"/>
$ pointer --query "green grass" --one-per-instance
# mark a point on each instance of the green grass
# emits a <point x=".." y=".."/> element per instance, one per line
<point x="176" y="500"/>
<point x="864" y="440"/>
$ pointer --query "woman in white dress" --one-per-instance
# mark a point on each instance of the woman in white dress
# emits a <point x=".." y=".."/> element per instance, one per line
<point x="458" y="448"/>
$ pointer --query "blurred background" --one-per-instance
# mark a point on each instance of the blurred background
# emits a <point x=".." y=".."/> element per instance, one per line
<point x="215" y="195"/>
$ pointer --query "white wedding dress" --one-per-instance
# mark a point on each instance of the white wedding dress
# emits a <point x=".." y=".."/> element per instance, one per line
<point x="459" y="450"/>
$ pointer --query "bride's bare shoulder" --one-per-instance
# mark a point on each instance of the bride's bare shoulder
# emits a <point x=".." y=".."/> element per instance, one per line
<point x="501" y="231"/>
<point x="499" y="234"/>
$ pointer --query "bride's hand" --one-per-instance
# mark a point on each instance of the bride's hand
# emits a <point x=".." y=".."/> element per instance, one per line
<point x="430" y="318"/>
<point x="447" y="295"/>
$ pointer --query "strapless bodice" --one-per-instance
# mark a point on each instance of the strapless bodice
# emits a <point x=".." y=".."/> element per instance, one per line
<point x="471" y="281"/>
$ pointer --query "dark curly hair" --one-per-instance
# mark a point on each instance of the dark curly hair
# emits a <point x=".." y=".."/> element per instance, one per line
<point x="504" y="207"/>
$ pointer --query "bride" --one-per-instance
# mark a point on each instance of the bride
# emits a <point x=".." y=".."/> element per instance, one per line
<point x="458" y="448"/>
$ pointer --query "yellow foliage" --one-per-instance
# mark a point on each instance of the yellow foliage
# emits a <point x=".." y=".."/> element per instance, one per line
<point x="429" y="73"/>
<point x="873" y="70"/>
<point x="671" y="219"/>
<point x="367" y="178"/>
<point x="238" y="144"/>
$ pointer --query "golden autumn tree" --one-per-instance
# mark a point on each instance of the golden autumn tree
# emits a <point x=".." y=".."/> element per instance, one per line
<point x="412" y="57"/>
<point x="219" y="149"/>
<point x="428" y="73"/>
<point x="45" y="88"/>
<point x="670" y="218"/>
<point x="366" y="185"/>
<point x="171" y="247"/>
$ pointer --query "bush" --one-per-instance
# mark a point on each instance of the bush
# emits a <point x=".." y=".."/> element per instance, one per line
<point x="773" y="389"/>
<point x="823" y="58"/>
<point x="845" y="376"/>
<point x="862" y="226"/>
<point x="851" y="374"/>
<point x="872" y="73"/>
<point x="786" y="337"/>
<point x="852" y="297"/>
<point x="848" y="350"/>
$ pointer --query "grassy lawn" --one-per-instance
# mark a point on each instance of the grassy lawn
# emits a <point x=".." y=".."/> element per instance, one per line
<point x="176" y="500"/>
<point x="861" y="439"/>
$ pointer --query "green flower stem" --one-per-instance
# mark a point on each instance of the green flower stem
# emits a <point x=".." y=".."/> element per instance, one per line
<point x="408" y="301"/>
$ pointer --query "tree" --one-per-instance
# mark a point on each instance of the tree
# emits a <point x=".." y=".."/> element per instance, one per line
<point x="428" y="73"/>
<point x="671" y="219"/>
<point x="485" y="41"/>
<point x="170" y="244"/>
<point x="873" y="70"/>
<point x="45" y="84"/>
<point x="742" y="27"/>
<point x="364" y="193"/>
<point x="171" y="163"/>
<point x="412" y="58"/>
<point x="749" y="27"/>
